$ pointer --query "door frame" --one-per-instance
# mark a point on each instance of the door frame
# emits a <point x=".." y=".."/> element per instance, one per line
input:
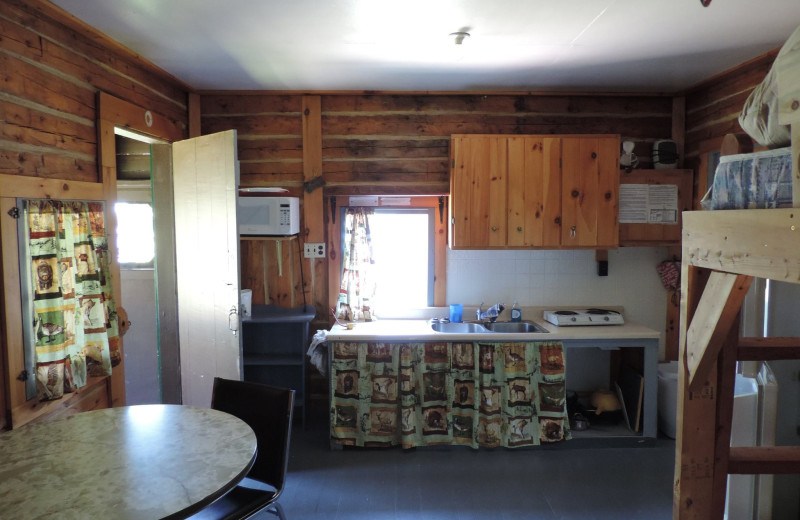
<point x="115" y="113"/>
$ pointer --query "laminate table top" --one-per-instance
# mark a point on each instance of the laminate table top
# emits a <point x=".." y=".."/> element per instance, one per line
<point x="125" y="463"/>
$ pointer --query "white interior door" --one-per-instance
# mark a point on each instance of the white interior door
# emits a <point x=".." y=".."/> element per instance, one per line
<point x="206" y="180"/>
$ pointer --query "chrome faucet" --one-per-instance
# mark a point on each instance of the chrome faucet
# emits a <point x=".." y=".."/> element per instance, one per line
<point x="491" y="314"/>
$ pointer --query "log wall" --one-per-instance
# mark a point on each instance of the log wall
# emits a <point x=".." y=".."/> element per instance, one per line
<point x="712" y="110"/>
<point x="52" y="67"/>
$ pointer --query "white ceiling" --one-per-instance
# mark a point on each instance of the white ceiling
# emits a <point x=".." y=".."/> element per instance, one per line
<point x="652" y="45"/>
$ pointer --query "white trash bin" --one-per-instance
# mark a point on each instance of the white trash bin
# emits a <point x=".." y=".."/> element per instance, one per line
<point x="668" y="398"/>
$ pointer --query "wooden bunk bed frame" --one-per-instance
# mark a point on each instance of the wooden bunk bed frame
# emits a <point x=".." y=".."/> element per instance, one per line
<point x="722" y="252"/>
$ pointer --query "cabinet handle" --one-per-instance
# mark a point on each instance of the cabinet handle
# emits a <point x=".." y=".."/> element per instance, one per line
<point x="575" y="193"/>
<point x="494" y="228"/>
<point x="519" y="228"/>
<point x="572" y="232"/>
<point x="594" y="155"/>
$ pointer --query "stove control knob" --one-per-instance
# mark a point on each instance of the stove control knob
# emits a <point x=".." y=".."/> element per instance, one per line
<point x="573" y="319"/>
<point x="606" y="318"/>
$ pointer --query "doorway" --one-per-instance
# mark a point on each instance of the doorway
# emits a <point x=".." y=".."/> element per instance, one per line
<point x="146" y="257"/>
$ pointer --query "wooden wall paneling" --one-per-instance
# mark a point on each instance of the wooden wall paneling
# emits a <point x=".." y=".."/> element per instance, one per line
<point x="440" y="255"/>
<point x="252" y="254"/>
<point x="194" y="115"/>
<point x="658" y="234"/>
<point x="312" y="199"/>
<point x="72" y="47"/>
<point x="13" y="361"/>
<point x="679" y="127"/>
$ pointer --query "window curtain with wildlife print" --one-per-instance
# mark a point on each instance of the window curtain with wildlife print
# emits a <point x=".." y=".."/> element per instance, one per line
<point x="471" y="394"/>
<point x="75" y="327"/>
<point x="358" y="286"/>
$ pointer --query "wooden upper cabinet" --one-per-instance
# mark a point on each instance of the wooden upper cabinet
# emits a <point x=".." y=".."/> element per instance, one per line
<point x="590" y="191"/>
<point x="535" y="191"/>
<point x="479" y="190"/>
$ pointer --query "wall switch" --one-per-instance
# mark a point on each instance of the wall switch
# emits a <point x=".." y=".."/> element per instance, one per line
<point x="314" y="250"/>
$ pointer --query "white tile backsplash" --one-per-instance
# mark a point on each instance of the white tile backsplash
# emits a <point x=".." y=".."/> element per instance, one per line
<point x="558" y="278"/>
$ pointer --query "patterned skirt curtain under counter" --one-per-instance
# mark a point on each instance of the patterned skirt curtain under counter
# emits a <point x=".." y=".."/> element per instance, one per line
<point x="471" y="394"/>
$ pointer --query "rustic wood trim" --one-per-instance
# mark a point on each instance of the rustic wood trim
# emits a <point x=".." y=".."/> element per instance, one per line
<point x="13" y="355"/>
<point x="679" y="127"/>
<point x="195" y="115"/>
<point x="40" y="188"/>
<point x="113" y="112"/>
<point x="125" y="114"/>
<point x="431" y="93"/>
<point x="718" y="308"/>
<point x="768" y="349"/>
<point x="440" y="245"/>
<point x="313" y="206"/>
<point x="93" y="395"/>
<point x="764" y="460"/>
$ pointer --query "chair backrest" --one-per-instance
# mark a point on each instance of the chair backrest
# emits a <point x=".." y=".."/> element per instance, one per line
<point x="268" y="411"/>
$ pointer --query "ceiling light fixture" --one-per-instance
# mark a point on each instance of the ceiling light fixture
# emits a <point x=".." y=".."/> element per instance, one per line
<point x="460" y="36"/>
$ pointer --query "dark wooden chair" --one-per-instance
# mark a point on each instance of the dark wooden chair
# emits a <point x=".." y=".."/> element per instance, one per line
<point x="268" y="411"/>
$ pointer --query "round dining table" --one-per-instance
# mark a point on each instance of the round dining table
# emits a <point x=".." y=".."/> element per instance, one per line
<point x="128" y="463"/>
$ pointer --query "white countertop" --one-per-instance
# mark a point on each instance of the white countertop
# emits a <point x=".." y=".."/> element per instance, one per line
<point x="420" y="330"/>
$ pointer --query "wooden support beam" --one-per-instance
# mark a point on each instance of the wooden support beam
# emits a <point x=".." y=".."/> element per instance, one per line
<point x="768" y="349"/>
<point x="764" y="460"/>
<point x="726" y="379"/>
<point x="737" y="241"/>
<point x="313" y="206"/>
<point x="718" y="309"/>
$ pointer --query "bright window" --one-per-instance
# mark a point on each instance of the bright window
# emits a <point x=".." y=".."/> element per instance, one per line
<point x="402" y="245"/>
<point x="135" y="238"/>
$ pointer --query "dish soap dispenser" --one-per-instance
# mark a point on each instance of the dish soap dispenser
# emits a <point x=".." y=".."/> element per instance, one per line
<point x="516" y="312"/>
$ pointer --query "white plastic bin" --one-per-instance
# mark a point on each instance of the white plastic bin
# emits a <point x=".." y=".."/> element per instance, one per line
<point x="668" y="398"/>
<point x="247" y="304"/>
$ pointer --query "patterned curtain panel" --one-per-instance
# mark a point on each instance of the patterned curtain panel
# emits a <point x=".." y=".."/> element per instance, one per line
<point x="471" y="394"/>
<point x="75" y="328"/>
<point x="358" y="286"/>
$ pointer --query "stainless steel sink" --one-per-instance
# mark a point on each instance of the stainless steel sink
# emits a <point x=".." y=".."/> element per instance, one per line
<point x="500" y="327"/>
<point x="514" y="327"/>
<point x="459" y="328"/>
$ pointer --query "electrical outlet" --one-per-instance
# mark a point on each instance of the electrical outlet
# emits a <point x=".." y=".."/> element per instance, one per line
<point x="314" y="250"/>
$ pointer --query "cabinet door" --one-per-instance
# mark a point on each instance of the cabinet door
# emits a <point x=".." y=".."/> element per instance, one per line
<point x="478" y="191"/>
<point x="534" y="191"/>
<point x="590" y="186"/>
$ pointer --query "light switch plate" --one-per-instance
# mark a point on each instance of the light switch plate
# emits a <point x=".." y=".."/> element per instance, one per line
<point x="314" y="250"/>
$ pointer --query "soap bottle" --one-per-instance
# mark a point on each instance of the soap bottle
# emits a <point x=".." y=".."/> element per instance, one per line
<point x="516" y="312"/>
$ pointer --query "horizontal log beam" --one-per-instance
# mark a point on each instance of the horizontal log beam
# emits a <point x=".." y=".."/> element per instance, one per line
<point x="768" y="349"/>
<point x="764" y="460"/>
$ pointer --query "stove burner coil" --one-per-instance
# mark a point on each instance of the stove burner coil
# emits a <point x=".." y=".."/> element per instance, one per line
<point x="566" y="313"/>
<point x="600" y="311"/>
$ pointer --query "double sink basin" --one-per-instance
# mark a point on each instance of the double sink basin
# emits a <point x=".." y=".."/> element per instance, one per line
<point x="501" y="327"/>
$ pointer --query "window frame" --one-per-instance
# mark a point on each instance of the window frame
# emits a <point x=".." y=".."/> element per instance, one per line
<point x="434" y="203"/>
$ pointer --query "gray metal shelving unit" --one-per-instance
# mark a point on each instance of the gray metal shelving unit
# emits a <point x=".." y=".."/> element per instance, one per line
<point x="274" y="343"/>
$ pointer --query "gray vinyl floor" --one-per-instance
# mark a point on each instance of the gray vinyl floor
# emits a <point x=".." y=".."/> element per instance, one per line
<point x="460" y="483"/>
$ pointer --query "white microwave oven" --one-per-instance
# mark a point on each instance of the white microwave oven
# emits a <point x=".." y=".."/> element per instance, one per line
<point x="259" y="216"/>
